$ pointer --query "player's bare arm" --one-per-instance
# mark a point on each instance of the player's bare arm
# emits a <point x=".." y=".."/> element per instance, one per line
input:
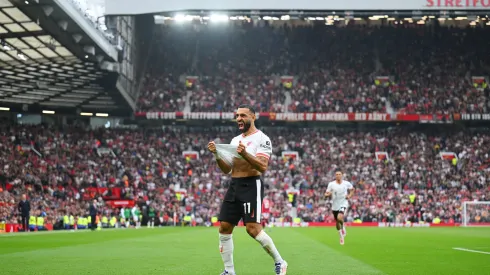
<point x="225" y="167"/>
<point x="351" y="193"/>
<point x="258" y="163"/>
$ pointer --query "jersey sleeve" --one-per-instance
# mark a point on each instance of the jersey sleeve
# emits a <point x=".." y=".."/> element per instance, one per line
<point x="350" y="186"/>
<point x="265" y="148"/>
<point x="329" y="187"/>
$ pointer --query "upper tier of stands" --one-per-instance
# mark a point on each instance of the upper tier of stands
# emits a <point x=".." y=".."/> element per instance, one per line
<point x="334" y="68"/>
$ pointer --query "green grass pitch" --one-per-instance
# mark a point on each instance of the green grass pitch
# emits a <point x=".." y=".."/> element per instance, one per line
<point x="187" y="251"/>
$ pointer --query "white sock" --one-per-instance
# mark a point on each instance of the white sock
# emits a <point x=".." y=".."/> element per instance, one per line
<point x="340" y="233"/>
<point x="268" y="246"/>
<point x="226" y="250"/>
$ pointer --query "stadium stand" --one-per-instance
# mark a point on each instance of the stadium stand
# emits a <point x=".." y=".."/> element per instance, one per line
<point x="403" y="173"/>
<point x="334" y="69"/>
<point x="161" y="168"/>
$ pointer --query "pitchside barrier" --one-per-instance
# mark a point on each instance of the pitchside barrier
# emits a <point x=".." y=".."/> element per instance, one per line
<point x="13" y="228"/>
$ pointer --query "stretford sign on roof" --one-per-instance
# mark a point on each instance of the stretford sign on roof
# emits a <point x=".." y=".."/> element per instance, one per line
<point x="115" y="7"/>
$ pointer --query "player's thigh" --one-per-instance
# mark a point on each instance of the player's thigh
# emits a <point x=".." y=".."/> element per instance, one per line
<point x="251" y="199"/>
<point x="230" y="212"/>
<point x="335" y="214"/>
<point x="341" y="213"/>
<point x="252" y="210"/>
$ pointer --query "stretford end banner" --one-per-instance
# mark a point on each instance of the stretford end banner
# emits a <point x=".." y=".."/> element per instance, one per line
<point x="338" y="117"/>
<point x="120" y="7"/>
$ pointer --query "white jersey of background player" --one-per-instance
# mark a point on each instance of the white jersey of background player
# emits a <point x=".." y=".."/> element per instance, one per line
<point x="341" y="191"/>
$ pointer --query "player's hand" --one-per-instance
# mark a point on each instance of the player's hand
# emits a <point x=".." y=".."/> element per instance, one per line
<point x="328" y="194"/>
<point x="347" y="197"/>
<point x="241" y="149"/>
<point x="212" y="147"/>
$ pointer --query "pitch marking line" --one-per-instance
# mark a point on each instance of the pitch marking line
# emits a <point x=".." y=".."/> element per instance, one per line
<point x="471" y="250"/>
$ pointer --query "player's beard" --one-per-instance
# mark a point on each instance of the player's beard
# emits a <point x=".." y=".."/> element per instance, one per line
<point x="246" y="126"/>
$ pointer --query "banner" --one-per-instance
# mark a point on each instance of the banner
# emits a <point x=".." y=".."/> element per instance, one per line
<point x="131" y="7"/>
<point x="120" y="203"/>
<point x="435" y="119"/>
<point x="92" y="192"/>
<point x="472" y="116"/>
<point x="398" y="224"/>
<point x="448" y="155"/>
<point x="104" y="151"/>
<point x="190" y="154"/>
<point x="290" y="154"/>
<point x="382" y="156"/>
<point x="479" y="82"/>
<point x="362" y="224"/>
<point x="329" y="117"/>
<point x="383" y="81"/>
<point x="2" y="228"/>
<point x="326" y="117"/>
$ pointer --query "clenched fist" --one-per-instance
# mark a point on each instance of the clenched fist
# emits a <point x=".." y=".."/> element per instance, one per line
<point x="212" y="147"/>
<point x="241" y="149"/>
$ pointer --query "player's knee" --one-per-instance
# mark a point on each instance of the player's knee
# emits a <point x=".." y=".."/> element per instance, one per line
<point x="225" y="228"/>
<point x="340" y="218"/>
<point x="253" y="229"/>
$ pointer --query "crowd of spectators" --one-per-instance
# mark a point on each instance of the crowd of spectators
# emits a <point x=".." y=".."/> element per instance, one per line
<point x="335" y="68"/>
<point x="148" y="165"/>
<point x="93" y="12"/>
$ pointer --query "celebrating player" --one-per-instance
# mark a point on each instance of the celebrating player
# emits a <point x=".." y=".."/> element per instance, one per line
<point x="243" y="199"/>
<point x="341" y="191"/>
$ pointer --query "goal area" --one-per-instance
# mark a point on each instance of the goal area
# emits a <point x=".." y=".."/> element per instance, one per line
<point x="476" y="213"/>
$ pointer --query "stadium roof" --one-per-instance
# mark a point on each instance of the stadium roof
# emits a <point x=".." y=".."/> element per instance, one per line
<point x="35" y="68"/>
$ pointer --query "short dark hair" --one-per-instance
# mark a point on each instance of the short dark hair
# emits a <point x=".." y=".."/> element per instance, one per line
<point x="338" y="170"/>
<point x="247" y="106"/>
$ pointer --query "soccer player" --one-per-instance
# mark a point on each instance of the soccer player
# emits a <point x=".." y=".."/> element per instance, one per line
<point x="136" y="216"/>
<point x="266" y="210"/>
<point x="341" y="191"/>
<point x="243" y="199"/>
<point x="151" y="217"/>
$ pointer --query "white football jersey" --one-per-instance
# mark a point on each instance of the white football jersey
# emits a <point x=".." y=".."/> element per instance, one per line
<point x="257" y="144"/>
<point x="339" y="193"/>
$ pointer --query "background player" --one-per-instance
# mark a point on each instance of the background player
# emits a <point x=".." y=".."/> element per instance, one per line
<point x="243" y="199"/>
<point x="266" y="210"/>
<point x="135" y="212"/>
<point x="341" y="191"/>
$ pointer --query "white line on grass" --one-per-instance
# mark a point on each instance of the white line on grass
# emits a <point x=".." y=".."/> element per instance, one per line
<point x="471" y="250"/>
